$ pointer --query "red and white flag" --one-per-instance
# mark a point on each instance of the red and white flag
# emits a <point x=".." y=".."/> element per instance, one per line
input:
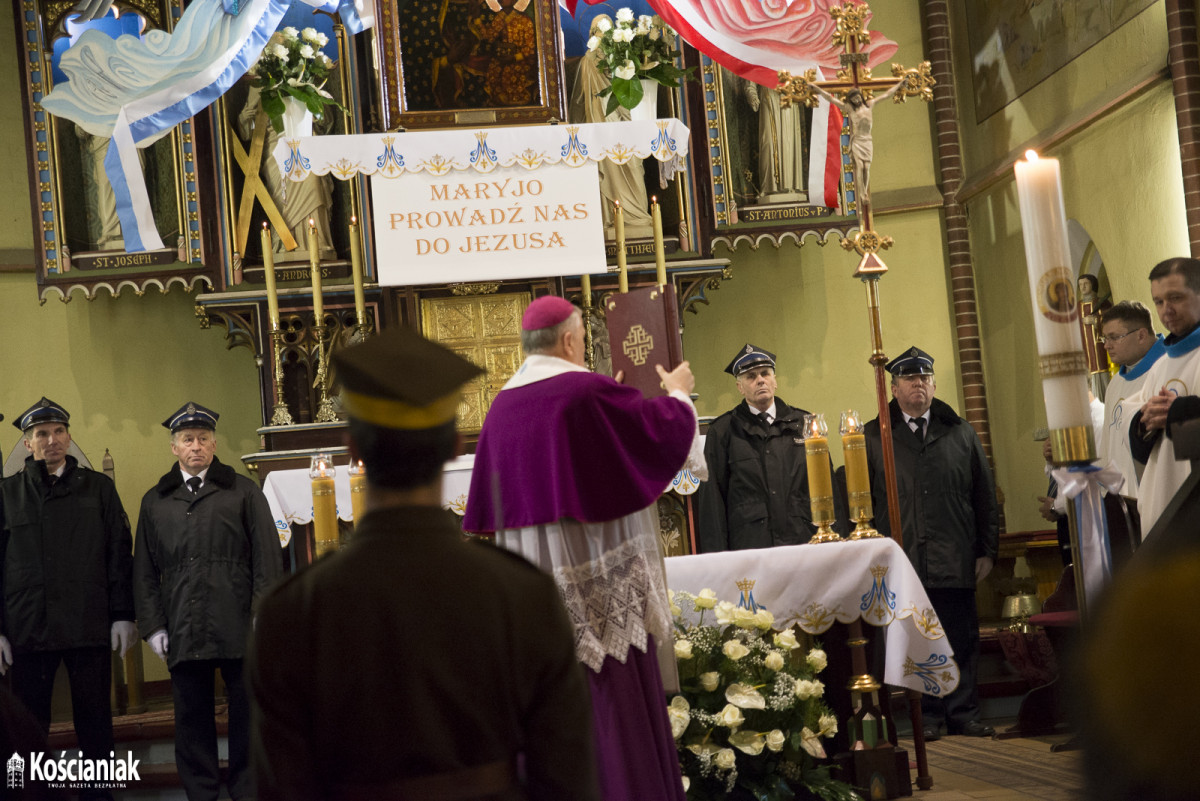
<point x="756" y="39"/>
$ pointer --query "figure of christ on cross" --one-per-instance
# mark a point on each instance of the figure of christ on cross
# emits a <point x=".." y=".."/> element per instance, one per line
<point x="853" y="92"/>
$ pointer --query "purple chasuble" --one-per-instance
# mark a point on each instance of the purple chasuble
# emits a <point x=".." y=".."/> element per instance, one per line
<point x="577" y="445"/>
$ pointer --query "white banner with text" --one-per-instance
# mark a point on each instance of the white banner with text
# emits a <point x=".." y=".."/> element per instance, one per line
<point x="512" y="223"/>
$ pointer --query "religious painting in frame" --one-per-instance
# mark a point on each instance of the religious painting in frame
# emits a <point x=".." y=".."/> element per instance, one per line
<point x="78" y="238"/>
<point x="758" y="158"/>
<point x="448" y="63"/>
<point x="1016" y="46"/>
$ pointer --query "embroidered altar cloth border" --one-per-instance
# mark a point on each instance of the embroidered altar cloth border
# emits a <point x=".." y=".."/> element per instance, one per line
<point x="482" y="150"/>
<point x="815" y="585"/>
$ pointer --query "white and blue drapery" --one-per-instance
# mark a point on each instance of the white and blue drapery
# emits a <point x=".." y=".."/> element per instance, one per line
<point x="1084" y="486"/>
<point x="135" y="90"/>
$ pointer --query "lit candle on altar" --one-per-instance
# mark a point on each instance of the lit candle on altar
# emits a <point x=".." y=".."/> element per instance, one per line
<point x="325" y="521"/>
<point x="619" y="226"/>
<point x="660" y="256"/>
<point x="358" y="490"/>
<point x="269" y="276"/>
<point x="1052" y="286"/>
<point x="356" y="270"/>
<point x="585" y="290"/>
<point x="820" y="477"/>
<point x="854" y="450"/>
<point x="314" y="263"/>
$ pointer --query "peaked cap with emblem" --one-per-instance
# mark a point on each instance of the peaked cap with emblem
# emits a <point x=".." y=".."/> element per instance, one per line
<point x="44" y="411"/>
<point x="913" y="361"/>
<point x="748" y="357"/>
<point x="401" y="380"/>
<point x="191" y="415"/>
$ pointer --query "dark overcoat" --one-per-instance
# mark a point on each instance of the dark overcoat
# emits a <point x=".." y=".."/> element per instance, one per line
<point x="757" y="495"/>
<point x="66" y="554"/>
<point x="201" y="560"/>
<point x="948" y="508"/>
<point x="414" y="653"/>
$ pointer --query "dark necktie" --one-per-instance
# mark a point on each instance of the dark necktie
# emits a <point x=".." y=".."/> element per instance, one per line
<point x="194" y="484"/>
<point x="762" y="416"/>
<point x="919" y="422"/>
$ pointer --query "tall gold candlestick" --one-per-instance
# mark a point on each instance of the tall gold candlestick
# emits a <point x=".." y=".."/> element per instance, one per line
<point x="858" y="481"/>
<point x="269" y="276"/>
<point x="622" y="270"/>
<point x="820" y="478"/>
<point x="660" y="256"/>
<point x="314" y="262"/>
<point x="585" y="290"/>
<point x="325" y="521"/>
<point x="358" y="490"/>
<point x="356" y="270"/>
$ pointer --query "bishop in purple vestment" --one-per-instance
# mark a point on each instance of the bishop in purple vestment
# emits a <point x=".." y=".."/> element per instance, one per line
<point x="567" y="471"/>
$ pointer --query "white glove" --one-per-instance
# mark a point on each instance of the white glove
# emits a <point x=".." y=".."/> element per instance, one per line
<point x="158" y="643"/>
<point x="123" y="636"/>
<point x="983" y="566"/>
<point x="5" y="655"/>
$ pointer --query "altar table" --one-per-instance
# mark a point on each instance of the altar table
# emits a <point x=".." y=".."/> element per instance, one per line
<point x="816" y="585"/>
<point x="289" y="494"/>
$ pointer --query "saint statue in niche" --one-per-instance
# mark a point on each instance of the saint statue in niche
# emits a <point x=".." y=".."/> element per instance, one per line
<point x="624" y="182"/>
<point x="297" y="201"/>
<point x="780" y="144"/>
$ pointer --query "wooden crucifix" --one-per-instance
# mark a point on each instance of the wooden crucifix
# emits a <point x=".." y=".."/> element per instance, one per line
<point x="853" y="92"/>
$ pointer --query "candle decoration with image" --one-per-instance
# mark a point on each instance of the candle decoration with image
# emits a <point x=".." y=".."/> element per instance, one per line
<point x="1062" y="362"/>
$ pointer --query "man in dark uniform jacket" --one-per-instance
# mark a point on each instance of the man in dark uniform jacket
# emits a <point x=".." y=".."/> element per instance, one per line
<point x="207" y="547"/>
<point x="66" y="580"/>
<point x="415" y="663"/>
<point x="948" y="515"/>
<point x="756" y="495"/>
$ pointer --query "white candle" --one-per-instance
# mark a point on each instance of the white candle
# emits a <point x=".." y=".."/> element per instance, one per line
<point x="1052" y="288"/>
<point x="314" y="262"/>
<point x="269" y="276"/>
<point x="356" y="272"/>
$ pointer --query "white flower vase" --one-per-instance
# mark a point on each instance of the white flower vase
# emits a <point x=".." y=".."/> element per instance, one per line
<point x="297" y="119"/>
<point x="647" y="109"/>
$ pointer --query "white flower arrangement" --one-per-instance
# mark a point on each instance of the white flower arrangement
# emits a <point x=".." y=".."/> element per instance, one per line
<point x="633" y="49"/>
<point x="750" y="715"/>
<point x="292" y="65"/>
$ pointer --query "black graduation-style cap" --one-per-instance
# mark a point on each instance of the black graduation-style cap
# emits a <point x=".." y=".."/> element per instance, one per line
<point x="191" y="415"/>
<point x="401" y="380"/>
<point x="750" y="356"/>
<point x="913" y="361"/>
<point x="44" y="411"/>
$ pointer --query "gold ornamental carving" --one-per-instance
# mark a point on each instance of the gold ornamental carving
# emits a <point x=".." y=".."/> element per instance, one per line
<point x="638" y="345"/>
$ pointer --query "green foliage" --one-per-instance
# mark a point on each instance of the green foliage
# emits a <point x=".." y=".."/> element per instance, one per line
<point x="292" y="65"/>
<point x="749" y="718"/>
<point x="632" y="49"/>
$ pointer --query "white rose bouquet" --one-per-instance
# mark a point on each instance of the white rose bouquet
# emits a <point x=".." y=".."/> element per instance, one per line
<point x="632" y="49"/>
<point x="750" y="717"/>
<point x="293" y="65"/>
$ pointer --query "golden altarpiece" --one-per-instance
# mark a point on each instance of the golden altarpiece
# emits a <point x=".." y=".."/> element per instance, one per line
<point x="212" y="189"/>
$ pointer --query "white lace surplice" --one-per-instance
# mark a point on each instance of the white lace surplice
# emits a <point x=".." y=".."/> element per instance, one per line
<point x="611" y="578"/>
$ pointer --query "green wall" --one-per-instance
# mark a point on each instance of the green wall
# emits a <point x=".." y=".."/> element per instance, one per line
<point x="803" y="303"/>
<point x="1121" y="182"/>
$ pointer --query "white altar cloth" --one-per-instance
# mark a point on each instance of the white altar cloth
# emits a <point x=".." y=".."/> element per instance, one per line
<point x="815" y="585"/>
<point x="289" y="493"/>
<point x="482" y="150"/>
